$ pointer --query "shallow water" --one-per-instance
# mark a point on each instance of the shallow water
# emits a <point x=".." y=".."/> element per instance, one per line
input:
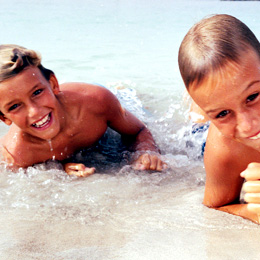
<point x="119" y="213"/>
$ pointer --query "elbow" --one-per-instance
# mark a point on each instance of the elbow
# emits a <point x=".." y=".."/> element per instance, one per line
<point x="220" y="202"/>
<point x="212" y="204"/>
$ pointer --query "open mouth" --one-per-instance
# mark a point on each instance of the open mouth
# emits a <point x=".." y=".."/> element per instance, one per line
<point x="255" y="137"/>
<point x="43" y="122"/>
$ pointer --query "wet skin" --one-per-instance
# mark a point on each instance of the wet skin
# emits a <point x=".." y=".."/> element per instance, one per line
<point x="49" y="121"/>
<point x="230" y="98"/>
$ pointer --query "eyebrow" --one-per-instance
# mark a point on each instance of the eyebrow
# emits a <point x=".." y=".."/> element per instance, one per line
<point x="214" y="110"/>
<point x="14" y="101"/>
<point x="248" y="87"/>
<point x="251" y="84"/>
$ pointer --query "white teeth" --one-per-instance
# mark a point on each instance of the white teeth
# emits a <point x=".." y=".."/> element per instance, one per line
<point x="42" y="122"/>
<point x="255" y="137"/>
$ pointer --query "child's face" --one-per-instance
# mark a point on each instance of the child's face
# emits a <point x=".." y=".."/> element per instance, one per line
<point x="28" y="100"/>
<point x="231" y="99"/>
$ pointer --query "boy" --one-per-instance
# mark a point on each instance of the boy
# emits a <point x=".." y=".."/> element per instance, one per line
<point x="219" y="60"/>
<point x="52" y="121"/>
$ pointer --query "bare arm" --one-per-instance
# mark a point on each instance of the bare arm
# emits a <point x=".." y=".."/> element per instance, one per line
<point x="106" y="110"/>
<point x="135" y="134"/>
<point x="224" y="160"/>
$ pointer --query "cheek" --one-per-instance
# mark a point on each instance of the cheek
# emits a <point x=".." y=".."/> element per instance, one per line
<point x="48" y="99"/>
<point x="228" y="129"/>
<point x="19" y="121"/>
<point x="19" y="118"/>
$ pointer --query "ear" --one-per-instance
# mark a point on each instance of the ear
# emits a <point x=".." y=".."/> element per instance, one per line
<point x="54" y="84"/>
<point x="5" y="120"/>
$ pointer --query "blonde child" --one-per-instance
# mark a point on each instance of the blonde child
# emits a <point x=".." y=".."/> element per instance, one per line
<point x="48" y="120"/>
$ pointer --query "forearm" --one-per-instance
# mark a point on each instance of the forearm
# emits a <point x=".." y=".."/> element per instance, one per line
<point x="240" y="210"/>
<point x="142" y="141"/>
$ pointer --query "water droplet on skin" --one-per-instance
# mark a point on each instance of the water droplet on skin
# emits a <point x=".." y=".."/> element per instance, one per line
<point x="51" y="148"/>
<point x="15" y="137"/>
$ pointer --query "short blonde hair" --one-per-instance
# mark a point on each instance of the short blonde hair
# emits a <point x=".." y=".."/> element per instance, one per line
<point x="14" y="58"/>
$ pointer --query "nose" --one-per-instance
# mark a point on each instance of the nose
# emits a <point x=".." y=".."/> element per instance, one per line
<point x="245" y="122"/>
<point x="32" y="109"/>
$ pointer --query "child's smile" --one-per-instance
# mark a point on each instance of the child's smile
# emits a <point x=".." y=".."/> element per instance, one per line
<point x="28" y="100"/>
<point x="231" y="99"/>
<point x="43" y="123"/>
<point x="255" y="137"/>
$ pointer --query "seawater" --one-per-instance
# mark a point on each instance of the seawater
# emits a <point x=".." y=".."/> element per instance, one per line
<point x="131" y="47"/>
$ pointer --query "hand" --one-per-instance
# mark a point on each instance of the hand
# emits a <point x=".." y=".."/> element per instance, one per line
<point x="78" y="169"/>
<point x="252" y="187"/>
<point x="149" y="161"/>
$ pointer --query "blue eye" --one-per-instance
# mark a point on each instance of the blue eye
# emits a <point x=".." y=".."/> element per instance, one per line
<point x="223" y="114"/>
<point x="37" y="92"/>
<point x="13" y="107"/>
<point x="252" y="97"/>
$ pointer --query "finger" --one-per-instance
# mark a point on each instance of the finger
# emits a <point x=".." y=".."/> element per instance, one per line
<point x="70" y="172"/>
<point x="251" y="173"/>
<point x="79" y="167"/>
<point x="254" y="208"/>
<point x="76" y="166"/>
<point x="145" y="161"/>
<point x="252" y="186"/>
<point x="252" y="198"/>
<point x="74" y="172"/>
<point x="159" y="165"/>
<point x="253" y="165"/>
<point x="142" y="163"/>
<point x="88" y="171"/>
<point x="153" y="162"/>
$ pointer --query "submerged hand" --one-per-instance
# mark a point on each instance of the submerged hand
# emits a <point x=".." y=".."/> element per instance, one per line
<point x="149" y="161"/>
<point x="252" y="187"/>
<point x="78" y="169"/>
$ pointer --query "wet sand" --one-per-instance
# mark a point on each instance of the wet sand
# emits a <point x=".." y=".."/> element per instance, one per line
<point x="137" y="220"/>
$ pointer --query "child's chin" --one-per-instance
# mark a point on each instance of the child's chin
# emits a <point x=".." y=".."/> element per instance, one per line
<point x="46" y="134"/>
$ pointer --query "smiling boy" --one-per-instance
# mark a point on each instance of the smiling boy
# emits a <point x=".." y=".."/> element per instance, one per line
<point x="219" y="60"/>
<point x="52" y="121"/>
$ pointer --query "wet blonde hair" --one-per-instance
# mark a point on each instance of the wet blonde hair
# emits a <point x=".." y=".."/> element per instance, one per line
<point x="210" y="44"/>
<point x="14" y="58"/>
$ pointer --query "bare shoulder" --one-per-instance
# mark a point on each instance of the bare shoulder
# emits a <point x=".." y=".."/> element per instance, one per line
<point x="224" y="160"/>
<point x="227" y="152"/>
<point x="85" y="89"/>
<point x="88" y="95"/>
